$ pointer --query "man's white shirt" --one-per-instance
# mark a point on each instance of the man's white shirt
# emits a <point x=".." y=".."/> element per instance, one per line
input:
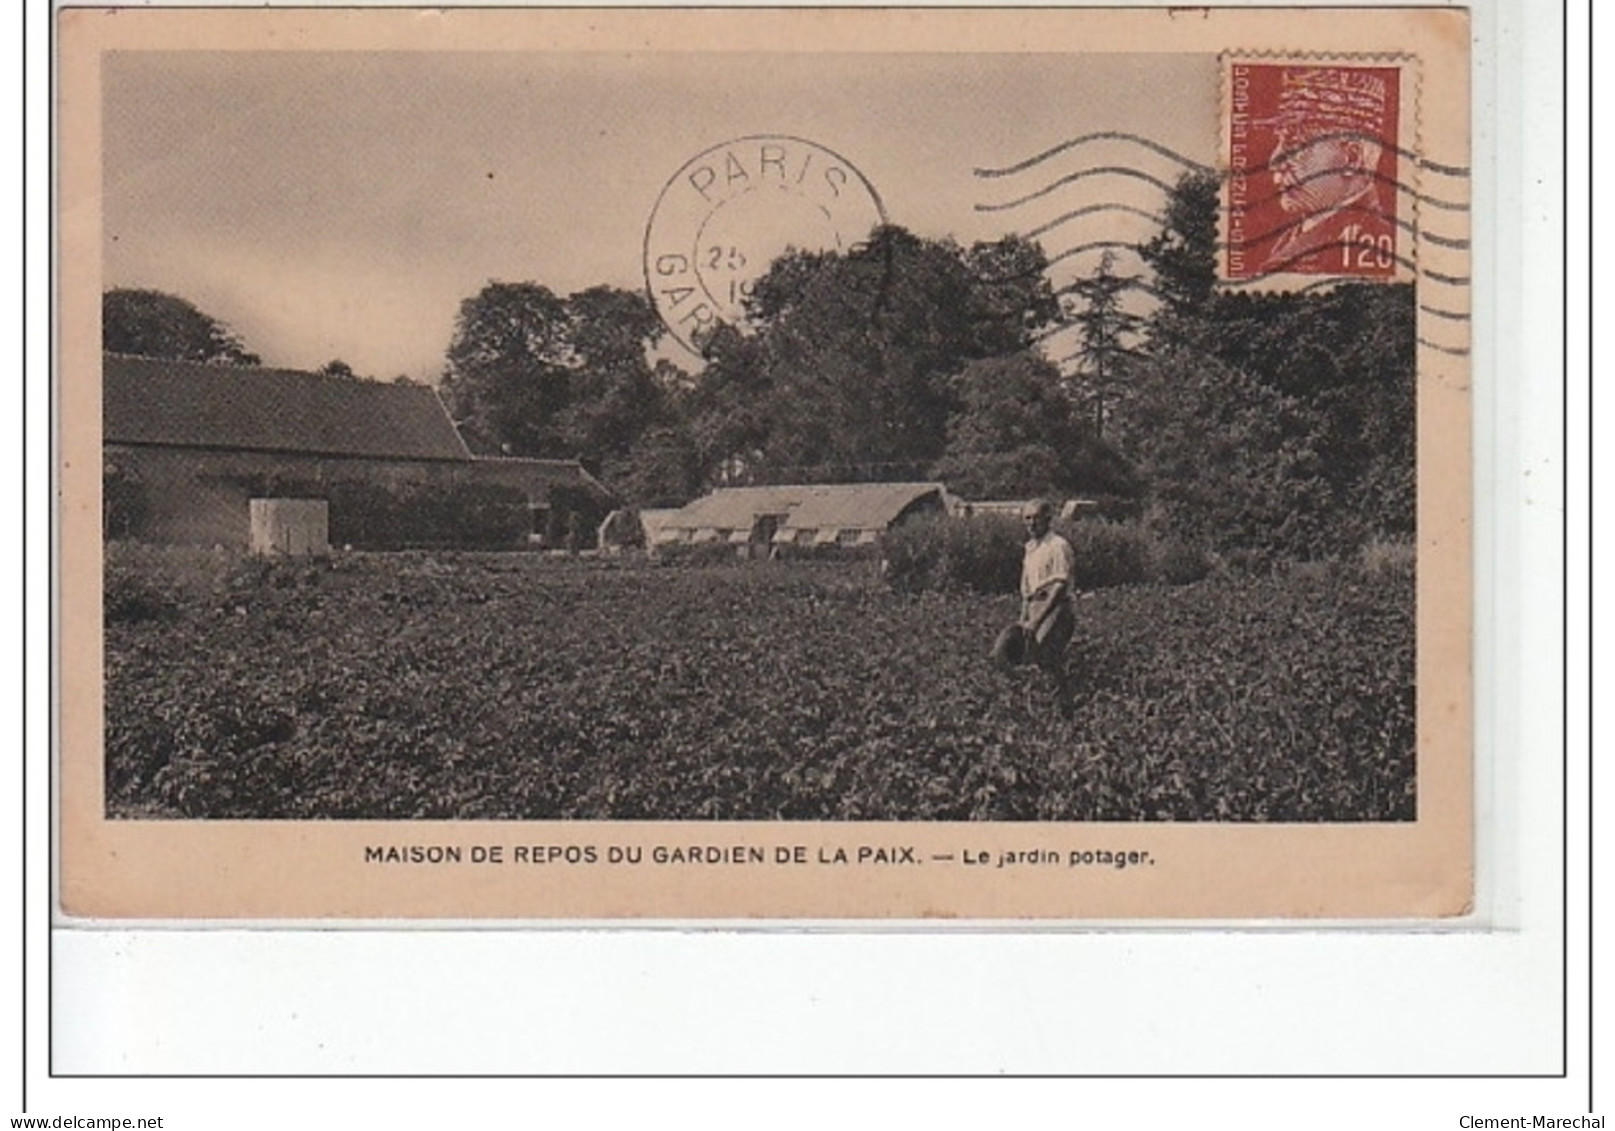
<point x="1049" y="558"/>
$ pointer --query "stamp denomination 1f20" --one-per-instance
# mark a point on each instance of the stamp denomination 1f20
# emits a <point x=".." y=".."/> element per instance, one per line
<point x="1312" y="177"/>
<point x="731" y="210"/>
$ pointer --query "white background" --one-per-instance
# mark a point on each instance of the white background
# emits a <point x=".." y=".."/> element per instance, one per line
<point x="1477" y="1002"/>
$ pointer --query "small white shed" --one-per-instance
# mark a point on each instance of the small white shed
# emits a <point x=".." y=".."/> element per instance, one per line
<point x="289" y="527"/>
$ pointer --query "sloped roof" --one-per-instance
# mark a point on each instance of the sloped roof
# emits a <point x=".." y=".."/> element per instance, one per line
<point x="655" y="519"/>
<point x="550" y="472"/>
<point x="731" y="507"/>
<point x="840" y="506"/>
<point x="188" y="404"/>
<point x="861" y="506"/>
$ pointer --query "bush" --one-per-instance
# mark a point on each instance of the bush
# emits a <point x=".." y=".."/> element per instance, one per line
<point x="129" y="599"/>
<point x="469" y="516"/>
<point x="697" y="553"/>
<point x="144" y="583"/>
<point x="1118" y="508"/>
<point x="832" y="552"/>
<point x="141" y="583"/>
<point x="368" y="515"/>
<point x="1234" y="465"/>
<point x="1178" y="563"/>
<point x="1109" y="553"/>
<point x="980" y="554"/>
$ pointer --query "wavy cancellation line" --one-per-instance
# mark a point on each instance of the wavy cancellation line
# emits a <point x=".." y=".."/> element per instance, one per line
<point x="1257" y="202"/>
<point x="1054" y="332"/>
<point x="1071" y="178"/>
<point x="1436" y="311"/>
<point x="1076" y="214"/>
<point x="1114" y="206"/>
<point x="1349" y="209"/>
<point x="1318" y="284"/>
<point x="1131" y="283"/>
<point x="1420" y="273"/>
<point x="1199" y="167"/>
<point x="1084" y="248"/>
<point x="1424" y="274"/>
<point x="1136" y="284"/>
<point x="1099" y="135"/>
<point x="1277" y="269"/>
<point x="1455" y="351"/>
<point x="1376" y="175"/>
<point x="1449" y="315"/>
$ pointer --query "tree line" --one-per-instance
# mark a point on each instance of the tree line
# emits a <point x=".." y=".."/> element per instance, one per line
<point x="1270" y="424"/>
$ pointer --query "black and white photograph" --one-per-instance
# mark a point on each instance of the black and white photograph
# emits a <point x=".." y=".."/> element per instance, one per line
<point x="757" y="444"/>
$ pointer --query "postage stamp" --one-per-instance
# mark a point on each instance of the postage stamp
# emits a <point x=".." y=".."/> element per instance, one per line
<point x="1313" y="185"/>
<point x="429" y="553"/>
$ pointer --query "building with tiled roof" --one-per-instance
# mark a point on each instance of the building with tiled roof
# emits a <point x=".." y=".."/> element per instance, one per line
<point x="191" y="405"/>
<point x="198" y="441"/>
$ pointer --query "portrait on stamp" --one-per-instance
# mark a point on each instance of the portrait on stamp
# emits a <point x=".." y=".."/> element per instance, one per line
<point x="1315" y="170"/>
<point x="861" y="472"/>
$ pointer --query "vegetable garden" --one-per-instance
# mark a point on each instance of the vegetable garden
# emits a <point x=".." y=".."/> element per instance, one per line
<point x="462" y="685"/>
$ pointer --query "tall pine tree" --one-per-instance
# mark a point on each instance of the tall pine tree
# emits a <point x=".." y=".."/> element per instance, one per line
<point x="1108" y="333"/>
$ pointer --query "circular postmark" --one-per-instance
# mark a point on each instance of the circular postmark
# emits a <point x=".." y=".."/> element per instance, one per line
<point x="731" y="210"/>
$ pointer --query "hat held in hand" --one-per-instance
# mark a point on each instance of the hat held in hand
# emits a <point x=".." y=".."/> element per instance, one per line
<point x="1009" y="650"/>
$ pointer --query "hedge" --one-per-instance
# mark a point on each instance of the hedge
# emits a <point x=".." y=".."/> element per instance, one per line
<point x="463" y="516"/>
<point x="982" y="554"/>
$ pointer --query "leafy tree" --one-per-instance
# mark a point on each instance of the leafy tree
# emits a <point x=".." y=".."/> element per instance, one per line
<point x="672" y="381"/>
<point x="1107" y="332"/>
<point x="1349" y="354"/>
<point x="1233" y="465"/>
<point x="339" y="369"/>
<point x="147" y="323"/>
<point x="509" y="370"/>
<point x="1335" y="367"/>
<point x="663" y="469"/>
<point x="1183" y="255"/>
<point x="1011" y="303"/>
<point x="530" y="373"/>
<point x="728" y="407"/>
<point x="844" y="366"/>
<point x="1311" y="342"/>
<point x="777" y="292"/>
<point x="614" y="394"/>
<point x="1018" y="435"/>
<point x="612" y="327"/>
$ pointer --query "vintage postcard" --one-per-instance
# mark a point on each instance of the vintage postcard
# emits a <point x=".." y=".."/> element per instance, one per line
<point x="721" y="465"/>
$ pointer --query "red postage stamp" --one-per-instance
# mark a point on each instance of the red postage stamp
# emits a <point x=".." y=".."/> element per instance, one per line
<point x="1312" y="177"/>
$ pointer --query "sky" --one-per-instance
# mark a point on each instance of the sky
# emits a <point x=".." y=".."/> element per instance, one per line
<point x="343" y="205"/>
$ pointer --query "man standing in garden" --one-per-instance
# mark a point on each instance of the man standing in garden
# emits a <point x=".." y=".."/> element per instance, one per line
<point x="1046" y="620"/>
